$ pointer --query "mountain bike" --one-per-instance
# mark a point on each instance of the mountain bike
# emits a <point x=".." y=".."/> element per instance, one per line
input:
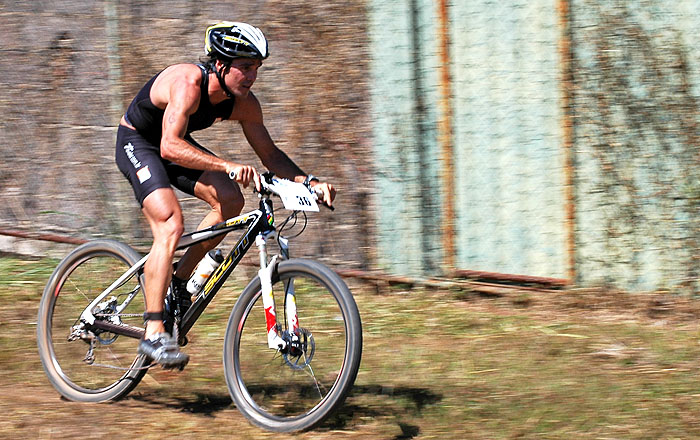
<point x="284" y="374"/>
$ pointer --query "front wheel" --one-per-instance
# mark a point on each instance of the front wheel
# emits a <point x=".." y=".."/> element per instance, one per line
<point x="297" y="390"/>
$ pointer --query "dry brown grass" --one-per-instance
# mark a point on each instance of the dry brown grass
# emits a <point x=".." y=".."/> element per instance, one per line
<point x="436" y="364"/>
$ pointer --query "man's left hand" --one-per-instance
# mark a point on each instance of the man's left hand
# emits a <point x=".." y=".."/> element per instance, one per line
<point x="325" y="191"/>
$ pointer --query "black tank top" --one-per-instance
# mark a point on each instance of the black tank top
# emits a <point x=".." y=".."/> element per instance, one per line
<point x="147" y="119"/>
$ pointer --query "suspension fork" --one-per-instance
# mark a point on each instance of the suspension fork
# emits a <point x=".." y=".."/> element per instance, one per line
<point x="274" y="337"/>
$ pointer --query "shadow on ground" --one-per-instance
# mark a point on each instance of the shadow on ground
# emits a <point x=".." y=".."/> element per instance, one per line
<point x="391" y="402"/>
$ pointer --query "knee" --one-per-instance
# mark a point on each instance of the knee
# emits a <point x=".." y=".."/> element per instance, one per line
<point x="175" y="227"/>
<point x="223" y="196"/>
<point x="229" y="203"/>
<point x="170" y="231"/>
<point x="165" y="218"/>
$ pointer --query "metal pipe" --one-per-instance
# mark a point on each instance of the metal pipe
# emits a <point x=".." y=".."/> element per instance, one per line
<point x="445" y="140"/>
<point x="479" y="283"/>
<point x="42" y="237"/>
<point x="512" y="278"/>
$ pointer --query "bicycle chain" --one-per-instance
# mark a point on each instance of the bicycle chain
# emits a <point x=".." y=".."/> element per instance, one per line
<point x="114" y="367"/>
<point x="109" y="315"/>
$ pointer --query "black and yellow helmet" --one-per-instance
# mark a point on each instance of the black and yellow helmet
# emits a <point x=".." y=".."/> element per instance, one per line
<point x="230" y="39"/>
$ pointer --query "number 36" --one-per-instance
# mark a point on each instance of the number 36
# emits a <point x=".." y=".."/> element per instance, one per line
<point x="304" y="201"/>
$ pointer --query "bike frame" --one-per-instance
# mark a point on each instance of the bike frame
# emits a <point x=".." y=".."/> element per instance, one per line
<point x="260" y="227"/>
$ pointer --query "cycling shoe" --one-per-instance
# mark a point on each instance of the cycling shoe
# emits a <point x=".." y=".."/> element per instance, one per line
<point x="163" y="349"/>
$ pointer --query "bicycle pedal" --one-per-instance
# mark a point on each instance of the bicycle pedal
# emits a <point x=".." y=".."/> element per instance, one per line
<point x="179" y="367"/>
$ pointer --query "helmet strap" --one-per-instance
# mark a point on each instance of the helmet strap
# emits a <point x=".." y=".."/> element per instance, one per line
<point x="220" y="77"/>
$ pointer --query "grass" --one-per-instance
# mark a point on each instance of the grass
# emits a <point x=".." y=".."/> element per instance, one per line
<point x="436" y="365"/>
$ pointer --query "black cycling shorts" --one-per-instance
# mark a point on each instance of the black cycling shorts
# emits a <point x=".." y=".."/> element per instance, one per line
<point x="140" y="161"/>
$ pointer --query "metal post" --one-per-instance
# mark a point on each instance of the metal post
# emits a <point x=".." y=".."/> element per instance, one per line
<point x="567" y="87"/>
<point x="445" y="140"/>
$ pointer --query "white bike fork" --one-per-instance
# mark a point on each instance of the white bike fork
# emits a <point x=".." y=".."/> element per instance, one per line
<point x="274" y="340"/>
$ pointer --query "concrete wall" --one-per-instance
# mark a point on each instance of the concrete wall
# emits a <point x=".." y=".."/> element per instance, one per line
<point x="70" y="68"/>
<point x="632" y="105"/>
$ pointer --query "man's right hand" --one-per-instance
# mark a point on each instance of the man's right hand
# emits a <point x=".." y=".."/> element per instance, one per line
<point x="243" y="175"/>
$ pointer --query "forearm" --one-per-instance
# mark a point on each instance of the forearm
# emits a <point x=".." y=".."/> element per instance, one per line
<point x="272" y="157"/>
<point x="181" y="152"/>
<point x="280" y="164"/>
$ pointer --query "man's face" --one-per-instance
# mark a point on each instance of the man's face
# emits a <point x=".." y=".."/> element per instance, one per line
<point x="241" y="75"/>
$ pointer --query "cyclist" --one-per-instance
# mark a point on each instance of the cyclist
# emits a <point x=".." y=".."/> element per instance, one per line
<point x="155" y="151"/>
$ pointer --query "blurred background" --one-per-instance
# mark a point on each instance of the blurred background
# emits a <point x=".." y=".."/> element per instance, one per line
<point x="546" y="142"/>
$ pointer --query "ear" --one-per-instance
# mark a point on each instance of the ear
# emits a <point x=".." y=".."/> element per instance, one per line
<point x="222" y="66"/>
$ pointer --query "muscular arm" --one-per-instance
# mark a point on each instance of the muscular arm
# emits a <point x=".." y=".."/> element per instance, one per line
<point x="259" y="138"/>
<point x="180" y="92"/>
<point x="272" y="157"/>
<point x="183" y="96"/>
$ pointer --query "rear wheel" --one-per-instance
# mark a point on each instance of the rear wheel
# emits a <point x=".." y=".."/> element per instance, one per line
<point x="82" y="362"/>
<point x="298" y="389"/>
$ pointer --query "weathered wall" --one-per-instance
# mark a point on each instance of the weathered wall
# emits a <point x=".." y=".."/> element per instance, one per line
<point x="506" y="140"/>
<point x="404" y="93"/>
<point x="633" y="148"/>
<point x="637" y="90"/>
<point x="70" y="68"/>
<point x="351" y="92"/>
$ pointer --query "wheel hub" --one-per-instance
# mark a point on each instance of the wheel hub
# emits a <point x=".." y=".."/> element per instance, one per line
<point x="300" y="349"/>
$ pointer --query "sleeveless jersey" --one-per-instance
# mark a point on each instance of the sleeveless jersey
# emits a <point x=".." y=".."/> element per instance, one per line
<point x="147" y="119"/>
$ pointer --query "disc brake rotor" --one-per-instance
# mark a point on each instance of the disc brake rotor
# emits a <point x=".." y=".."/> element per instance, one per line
<point x="301" y="350"/>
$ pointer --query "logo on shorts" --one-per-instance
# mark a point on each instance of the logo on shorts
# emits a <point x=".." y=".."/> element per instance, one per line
<point x="144" y="174"/>
<point x="129" y="150"/>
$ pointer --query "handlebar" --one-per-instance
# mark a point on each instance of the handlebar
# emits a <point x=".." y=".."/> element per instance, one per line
<point x="267" y="188"/>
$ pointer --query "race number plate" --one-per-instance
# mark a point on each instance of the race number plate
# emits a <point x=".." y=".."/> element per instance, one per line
<point x="295" y="196"/>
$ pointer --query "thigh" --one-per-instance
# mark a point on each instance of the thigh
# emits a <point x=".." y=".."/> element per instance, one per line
<point x="141" y="164"/>
<point x="185" y="179"/>
<point x="218" y="189"/>
<point x="161" y="206"/>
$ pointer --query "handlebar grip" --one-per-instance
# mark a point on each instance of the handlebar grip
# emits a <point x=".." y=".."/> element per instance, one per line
<point x="319" y="199"/>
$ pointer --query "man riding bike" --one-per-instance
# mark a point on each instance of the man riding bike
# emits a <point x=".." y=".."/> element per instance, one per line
<point x="155" y="152"/>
